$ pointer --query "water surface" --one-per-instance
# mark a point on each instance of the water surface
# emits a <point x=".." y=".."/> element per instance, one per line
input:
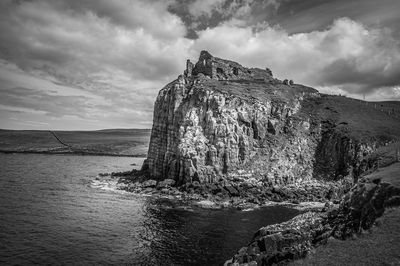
<point x="51" y="212"/>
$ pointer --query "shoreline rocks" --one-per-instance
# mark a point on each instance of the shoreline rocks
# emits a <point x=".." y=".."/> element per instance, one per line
<point x="294" y="239"/>
<point x="237" y="194"/>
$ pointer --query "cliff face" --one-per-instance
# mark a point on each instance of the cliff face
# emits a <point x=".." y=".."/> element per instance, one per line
<point x="222" y="120"/>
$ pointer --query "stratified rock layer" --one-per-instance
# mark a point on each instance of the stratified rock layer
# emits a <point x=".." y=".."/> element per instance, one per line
<point x="222" y="120"/>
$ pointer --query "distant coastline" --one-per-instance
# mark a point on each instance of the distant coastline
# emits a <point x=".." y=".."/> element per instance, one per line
<point x="80" y="153"/>
<point x="109" y="142"/>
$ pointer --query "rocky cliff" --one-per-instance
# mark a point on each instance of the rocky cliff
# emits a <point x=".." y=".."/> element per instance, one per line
<point x="358" y="210"/>
<point x="222" y="121"/>
<point x="227" y="135"/>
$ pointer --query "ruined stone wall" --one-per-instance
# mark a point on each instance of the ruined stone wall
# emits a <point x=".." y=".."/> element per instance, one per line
<point x="221" y="69"/>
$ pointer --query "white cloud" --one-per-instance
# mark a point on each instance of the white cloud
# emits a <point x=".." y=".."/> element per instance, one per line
<point x="318" y="58"/>
<point x="105" y="61"/>
<point x="121" y="53"/>
<point x="238" y="9"/>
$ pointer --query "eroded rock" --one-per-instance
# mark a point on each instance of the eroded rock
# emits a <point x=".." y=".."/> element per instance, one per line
<point x="205" y="128"/>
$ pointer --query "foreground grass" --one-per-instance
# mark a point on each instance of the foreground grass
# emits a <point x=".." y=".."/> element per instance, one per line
<point x="378" y="246"/>
<point x="364" y="121"/>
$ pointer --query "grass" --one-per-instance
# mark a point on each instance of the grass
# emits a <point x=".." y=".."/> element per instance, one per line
<point x="389" y="174"/>
<point x="260" y="90"/>
<point x="358" y="119"/>
<point x="365" y="121"/>
<point x="378" y="246"/>
<point x="119" y="142"/>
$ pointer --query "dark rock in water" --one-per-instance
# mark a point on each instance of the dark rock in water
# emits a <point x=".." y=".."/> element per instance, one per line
<point x="329" y="206"/>
<point x="214" y="189"/>
<point x="165" y="183"/>
<point x="165" y="191"/>
<point x="231" y="190"/>
<point x="104" y="174"/>
<point x="149" y="183"/>
<point x="147" y="190"/>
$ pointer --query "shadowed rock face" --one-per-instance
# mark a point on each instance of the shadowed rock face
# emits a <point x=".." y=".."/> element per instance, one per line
<point x="222" y="120"/>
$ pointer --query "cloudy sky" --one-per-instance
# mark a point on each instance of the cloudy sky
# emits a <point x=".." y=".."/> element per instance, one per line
<point x="94" y="64"/>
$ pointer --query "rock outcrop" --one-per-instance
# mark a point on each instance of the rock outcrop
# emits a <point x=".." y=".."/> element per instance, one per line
<point x="226" y="135"/>
<point x="222" y="121"/>
<point x="358" y="210"/>
<point x="230" y="135"/>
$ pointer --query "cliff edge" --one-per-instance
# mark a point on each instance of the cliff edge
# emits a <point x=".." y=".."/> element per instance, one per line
<point x="220" y="121"/>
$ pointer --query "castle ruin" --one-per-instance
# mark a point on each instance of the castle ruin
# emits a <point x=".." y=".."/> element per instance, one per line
<point x="221" y="69"/>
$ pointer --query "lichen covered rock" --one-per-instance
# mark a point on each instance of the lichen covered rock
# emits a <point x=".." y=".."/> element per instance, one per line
<point x="221" y="121"/>
<point x="205" y="128"/>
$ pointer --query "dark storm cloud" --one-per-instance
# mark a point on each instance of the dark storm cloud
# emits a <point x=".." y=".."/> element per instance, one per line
<point x="200" y="15"/>
<point x="92" y="35"/>
<point x="51" y="105"/>
<point x="104" y="61"/>
<point x="305" y="16"/>
<point x="112" y="49"/>
<point x="292" y="15"/>
<point x="348" y="72"/>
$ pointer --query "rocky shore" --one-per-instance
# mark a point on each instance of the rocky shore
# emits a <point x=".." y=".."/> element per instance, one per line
<point x="294" y="239"/>
<point x="236" y="194"/>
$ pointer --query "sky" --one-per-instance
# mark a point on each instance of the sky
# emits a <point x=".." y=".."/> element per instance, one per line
<point x="95" y="64"/>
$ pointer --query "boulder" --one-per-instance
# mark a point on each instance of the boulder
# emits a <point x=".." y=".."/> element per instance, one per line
<point x="165" y="183"/>
<point x="233" y="192"/>
<point x="149" y="183"/>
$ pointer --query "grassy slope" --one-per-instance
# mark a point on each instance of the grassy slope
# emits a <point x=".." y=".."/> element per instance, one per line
<point x="358" y="119"/>
<point x="132" y="142"/>
<point x="378" y="246"/>
<point x="256" y="90"/>
<point x="379" y="121"/>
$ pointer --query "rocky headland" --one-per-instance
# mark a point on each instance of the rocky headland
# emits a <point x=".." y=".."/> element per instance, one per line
<point x="226" y="135"/>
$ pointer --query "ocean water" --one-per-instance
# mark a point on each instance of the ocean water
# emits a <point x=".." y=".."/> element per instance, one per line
<point x="54" y="212"/>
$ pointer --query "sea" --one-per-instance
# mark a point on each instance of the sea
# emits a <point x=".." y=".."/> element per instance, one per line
<point x="55" y="211"/>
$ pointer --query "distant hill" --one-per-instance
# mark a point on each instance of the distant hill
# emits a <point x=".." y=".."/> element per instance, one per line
<point x="115" y="142"/>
